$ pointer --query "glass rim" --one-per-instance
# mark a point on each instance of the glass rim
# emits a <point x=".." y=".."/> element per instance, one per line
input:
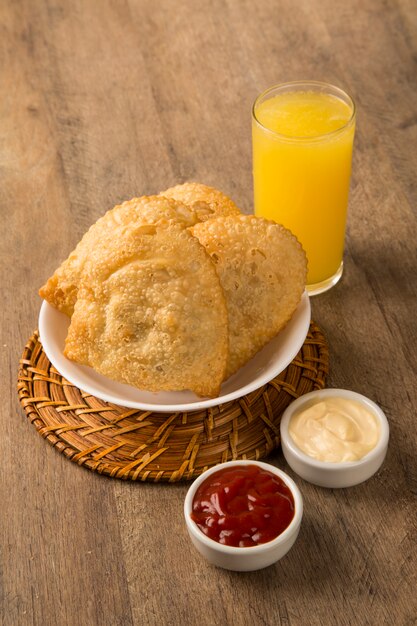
<point x="303" y="138"/>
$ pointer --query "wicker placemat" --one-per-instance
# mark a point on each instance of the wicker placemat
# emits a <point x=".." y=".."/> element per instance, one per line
<point x="141" y="445"/>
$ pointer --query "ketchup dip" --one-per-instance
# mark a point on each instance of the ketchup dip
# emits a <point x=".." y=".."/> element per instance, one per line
<point x="243" y="506"/>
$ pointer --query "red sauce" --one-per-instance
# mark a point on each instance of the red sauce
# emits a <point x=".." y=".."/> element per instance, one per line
<point x="243" y="506"/>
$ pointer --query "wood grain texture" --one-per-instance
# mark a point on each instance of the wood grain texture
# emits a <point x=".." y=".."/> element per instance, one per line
<point x="105" y="100"/>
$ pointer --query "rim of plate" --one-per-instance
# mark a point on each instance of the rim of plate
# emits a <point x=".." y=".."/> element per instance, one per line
<point x="53" y="327"/>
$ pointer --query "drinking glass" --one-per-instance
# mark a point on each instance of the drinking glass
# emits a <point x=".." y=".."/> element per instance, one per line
<point x="302" y="137"/>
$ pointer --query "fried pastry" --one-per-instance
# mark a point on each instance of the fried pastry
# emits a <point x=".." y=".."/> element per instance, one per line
<point x="262" y="269"/>
<point x="207" y="202"/>
<point x="61" y="288"/>
<point x="151" y="312"/>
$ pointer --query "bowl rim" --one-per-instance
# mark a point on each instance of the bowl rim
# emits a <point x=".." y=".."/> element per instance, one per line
<point x="51" y="322"/>
<point x="334" y="466"/>
<point x="247" y="550"/>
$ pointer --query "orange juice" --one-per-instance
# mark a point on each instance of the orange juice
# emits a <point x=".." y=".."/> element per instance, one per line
<point x="302" y="153"/>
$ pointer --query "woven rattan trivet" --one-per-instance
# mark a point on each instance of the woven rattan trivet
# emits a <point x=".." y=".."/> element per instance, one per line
<point x="141" y="445"/>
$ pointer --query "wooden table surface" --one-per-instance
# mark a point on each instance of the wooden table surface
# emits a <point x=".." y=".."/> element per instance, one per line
<point x="102" y="101"/>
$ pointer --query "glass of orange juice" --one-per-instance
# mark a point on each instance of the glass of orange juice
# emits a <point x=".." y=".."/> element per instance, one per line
<point x="302" y="134"/>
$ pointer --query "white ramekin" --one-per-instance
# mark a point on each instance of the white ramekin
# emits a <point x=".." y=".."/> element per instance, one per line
<point x="334" y="475"/>
<point x="251" y="558"/>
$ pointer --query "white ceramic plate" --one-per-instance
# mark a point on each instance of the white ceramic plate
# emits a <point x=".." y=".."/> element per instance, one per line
<point x="264" y="366"/>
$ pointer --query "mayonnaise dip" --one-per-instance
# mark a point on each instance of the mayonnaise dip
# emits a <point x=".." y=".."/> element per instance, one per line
<point x="335" y="430"/>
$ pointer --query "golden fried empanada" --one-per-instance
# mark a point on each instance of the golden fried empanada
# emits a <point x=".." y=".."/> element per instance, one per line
<point x="151" y="312"/>
<point x="206" y="201"/>
<point x="61" y="288"/>
<point x="262" y="268"/>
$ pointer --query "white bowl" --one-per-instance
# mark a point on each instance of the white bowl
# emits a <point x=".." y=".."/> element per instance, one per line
<point x="251" y="558"/>
<point x="265" y="365"/>
<point x="328" y="474"/>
